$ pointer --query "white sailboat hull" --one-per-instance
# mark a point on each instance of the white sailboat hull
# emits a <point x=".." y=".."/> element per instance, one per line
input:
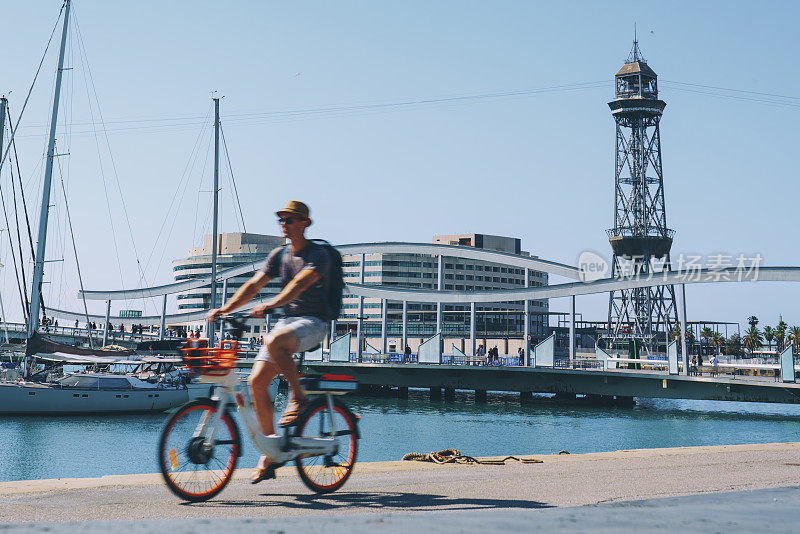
<point x="28" y="398"/>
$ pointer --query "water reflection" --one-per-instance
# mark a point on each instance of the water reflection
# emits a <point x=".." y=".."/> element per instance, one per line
<point x="72" y="446"/>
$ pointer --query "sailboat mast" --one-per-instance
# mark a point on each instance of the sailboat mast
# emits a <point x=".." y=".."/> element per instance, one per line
<point x="3" y="105"/>
<point x="213" y="303"/>
<point x="38" y="269"/>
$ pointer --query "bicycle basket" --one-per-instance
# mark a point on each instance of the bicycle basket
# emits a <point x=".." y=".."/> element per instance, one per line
<point x="201" y="360"/>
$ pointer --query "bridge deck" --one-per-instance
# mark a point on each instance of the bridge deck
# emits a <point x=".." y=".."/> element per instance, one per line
<point x="565" y="381"/>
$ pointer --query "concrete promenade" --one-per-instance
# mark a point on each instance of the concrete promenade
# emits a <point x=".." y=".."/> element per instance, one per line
<point x="399" y="492"/>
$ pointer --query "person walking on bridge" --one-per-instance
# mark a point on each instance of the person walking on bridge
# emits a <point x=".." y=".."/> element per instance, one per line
<point x="305" y="268"/>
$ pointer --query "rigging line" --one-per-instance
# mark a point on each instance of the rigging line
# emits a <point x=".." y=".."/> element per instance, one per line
<point x="205" y="220"/>
<point x="289" y="115"/>
<point x="85" y="60"/>
<point x="19" y="237"/>
<point x="732" y="90"/>
<point x="75" y="250"/>
<point x="233" y="180"/>
<point x="357" y="105"/>
<point x="177" y="209"/>
<point x="23" y="300"/>
<point x="30" y="89"/>
<point x="765" y="101"/>
<point x="103" y="180"/>
<point x="184" y="176"/>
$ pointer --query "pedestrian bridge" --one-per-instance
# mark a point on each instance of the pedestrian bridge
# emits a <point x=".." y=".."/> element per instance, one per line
<point x="571" y="289"/>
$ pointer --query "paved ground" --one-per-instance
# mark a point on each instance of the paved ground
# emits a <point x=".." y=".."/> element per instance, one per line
<point x="770" y="510"/>
<point x="392" y="494"/>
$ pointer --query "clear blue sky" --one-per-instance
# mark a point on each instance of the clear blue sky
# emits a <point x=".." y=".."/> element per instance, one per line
<point x="538" y="166"/>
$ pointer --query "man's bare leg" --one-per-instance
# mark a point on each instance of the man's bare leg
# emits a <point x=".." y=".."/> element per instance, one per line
<point x="259" y="380"/>
<point x="281" y="344"/>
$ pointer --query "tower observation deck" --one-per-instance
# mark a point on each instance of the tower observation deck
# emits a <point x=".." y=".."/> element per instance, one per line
<point x="640" y="239"/>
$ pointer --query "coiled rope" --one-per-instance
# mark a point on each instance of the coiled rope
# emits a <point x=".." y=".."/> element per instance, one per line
<point x="450" y="456"/>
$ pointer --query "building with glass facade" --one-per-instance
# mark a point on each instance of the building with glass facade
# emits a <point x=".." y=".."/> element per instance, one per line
<point x="495" y="323"/>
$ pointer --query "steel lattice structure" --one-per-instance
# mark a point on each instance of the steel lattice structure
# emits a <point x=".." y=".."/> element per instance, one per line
<point x="640" y="238"/>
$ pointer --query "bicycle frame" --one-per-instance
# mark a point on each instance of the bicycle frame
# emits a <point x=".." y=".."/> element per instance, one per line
<point x="278" y="449"/>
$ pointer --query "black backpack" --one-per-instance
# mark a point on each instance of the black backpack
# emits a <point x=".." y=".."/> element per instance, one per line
<point x="335" y="279"/>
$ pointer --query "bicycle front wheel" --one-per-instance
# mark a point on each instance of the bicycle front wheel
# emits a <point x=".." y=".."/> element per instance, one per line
<point x="191" y="470"/>
<point x="324" y="474"/>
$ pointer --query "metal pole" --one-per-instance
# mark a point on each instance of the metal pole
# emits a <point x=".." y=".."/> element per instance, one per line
<point x="38" y="269"/>
<point x="472" y="328"/>
<point x="224" y="300"/>
<point x="384" y="311"/>
<point x="572" y="329"/>
<point x="683" y="331"/>
<point x="439" y="287"/>
<point x="360" y="324"/>
<point x="526" y="331"/>
<point x="105" y="327"/>
<point x="163" y="318"/>
<point x="405" y="327"/>
<point x="213" y="303"/>
<point x="3" y="104"/>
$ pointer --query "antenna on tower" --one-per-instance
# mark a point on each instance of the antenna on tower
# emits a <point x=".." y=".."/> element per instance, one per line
<point x="636" y="54"/>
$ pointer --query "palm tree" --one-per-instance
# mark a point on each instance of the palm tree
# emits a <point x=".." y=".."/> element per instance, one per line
<point x="717" y="341"/>
<point x="752" y="339"/>
<point x="769" y="335"/>
<point x="752" y="320"/>
<point x="780" y="334"/>
<point x="706" y="333"/>
<point x="794" y="335"/>
<point x="734" y="345"/>
<point x="675" y="333"/>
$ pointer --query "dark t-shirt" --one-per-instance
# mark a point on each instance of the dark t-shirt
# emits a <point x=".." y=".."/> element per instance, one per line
<point x="313" y="301"/>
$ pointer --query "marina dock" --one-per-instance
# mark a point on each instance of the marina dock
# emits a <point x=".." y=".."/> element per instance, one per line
<point x="604" y="386"/>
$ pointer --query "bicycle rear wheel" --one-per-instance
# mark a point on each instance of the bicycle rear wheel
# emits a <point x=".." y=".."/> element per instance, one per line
<point x="324" y="474"/>
<point x="191" y="471"/>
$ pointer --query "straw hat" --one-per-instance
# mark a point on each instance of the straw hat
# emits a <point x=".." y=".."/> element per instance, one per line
<point x="295" y="207"/>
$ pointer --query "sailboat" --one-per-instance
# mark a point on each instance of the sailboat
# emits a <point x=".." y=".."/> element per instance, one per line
<point x="86" y="391"/>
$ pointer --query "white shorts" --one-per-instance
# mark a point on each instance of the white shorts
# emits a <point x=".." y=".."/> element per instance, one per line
<point x="310" y="332"/>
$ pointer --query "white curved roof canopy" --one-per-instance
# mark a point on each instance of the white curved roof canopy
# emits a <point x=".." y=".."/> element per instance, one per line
<point x="703" y="276"/>
<point x="451" y="251"/>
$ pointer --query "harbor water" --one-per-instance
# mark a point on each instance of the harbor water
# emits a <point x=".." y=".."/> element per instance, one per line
<point x="38" y="447"/>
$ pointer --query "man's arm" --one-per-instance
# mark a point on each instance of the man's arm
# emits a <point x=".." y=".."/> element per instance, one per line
<point x="243" y="295"/>
<point x="302" y="281"/>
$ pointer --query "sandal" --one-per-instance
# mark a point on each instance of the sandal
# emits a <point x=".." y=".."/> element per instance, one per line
<point x="264" y="473"/>
<point x="293" y="409"/>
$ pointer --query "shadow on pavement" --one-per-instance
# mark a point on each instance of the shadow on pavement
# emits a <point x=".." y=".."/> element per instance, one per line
<point x="376" y="500"/>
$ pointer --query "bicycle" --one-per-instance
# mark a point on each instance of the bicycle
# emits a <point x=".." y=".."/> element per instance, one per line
<point x="200" y="444"/>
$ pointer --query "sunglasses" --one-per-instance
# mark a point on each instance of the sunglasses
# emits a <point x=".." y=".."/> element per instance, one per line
<point x="287" y="220"/>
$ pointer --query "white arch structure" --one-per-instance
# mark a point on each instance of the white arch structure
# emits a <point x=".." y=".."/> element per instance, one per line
<point x="451" y="251"/>
<point x="569" y="289"/>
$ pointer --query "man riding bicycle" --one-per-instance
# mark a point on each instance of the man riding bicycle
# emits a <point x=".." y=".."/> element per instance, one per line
<point x="304" y="267"/>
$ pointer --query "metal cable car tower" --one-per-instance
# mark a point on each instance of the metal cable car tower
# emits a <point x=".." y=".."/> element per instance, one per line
<point x="640" y="238"/>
